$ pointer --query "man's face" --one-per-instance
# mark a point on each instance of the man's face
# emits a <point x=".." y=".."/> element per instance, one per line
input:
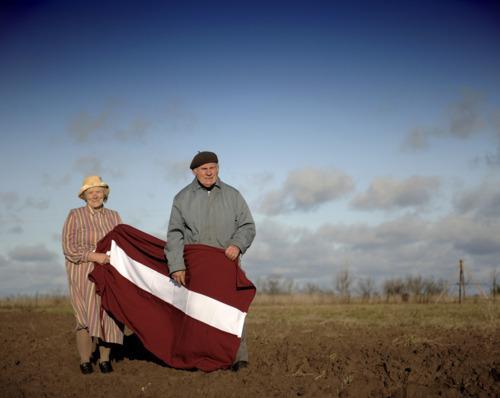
<point x="207" y="174"/>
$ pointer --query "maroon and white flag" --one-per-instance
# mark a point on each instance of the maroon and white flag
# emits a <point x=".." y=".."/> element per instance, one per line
<point x="194" y="327"/>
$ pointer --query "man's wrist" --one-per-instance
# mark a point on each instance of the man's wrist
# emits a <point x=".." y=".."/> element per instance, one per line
<point x="173" y="270"/>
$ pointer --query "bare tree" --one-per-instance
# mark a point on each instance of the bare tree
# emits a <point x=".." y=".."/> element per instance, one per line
<point x="395" y="287"/>
<point x="366" y="288"/>
<point x="434" y="288"/>
<point x="312" y="288"/>
<point x="274" y="285"/>
<point x="343" y="283"/>
<point x="415" y="287"/>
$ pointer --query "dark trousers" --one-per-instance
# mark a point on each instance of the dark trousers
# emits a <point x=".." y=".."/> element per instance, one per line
<point x="242" y="354"/>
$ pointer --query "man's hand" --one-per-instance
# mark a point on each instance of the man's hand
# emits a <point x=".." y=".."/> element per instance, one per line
<point x="232" y="252"/>
<point x="179" y="277"/>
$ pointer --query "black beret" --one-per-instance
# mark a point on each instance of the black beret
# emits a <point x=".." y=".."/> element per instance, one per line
<point x="203" y="157"/>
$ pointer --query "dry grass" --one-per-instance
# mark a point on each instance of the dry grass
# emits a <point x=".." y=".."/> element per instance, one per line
<point x="46" y="302"/>
<point x="330" y="298"/>
<point x="325" y="309"/>
<point x="329" y="309"/>
<point x="482" y="314"/>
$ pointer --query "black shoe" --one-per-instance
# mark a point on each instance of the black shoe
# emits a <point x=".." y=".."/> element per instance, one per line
<point x="86" y="368"/>
<point x="105" y="367"/>
<point x="239" y="365"/>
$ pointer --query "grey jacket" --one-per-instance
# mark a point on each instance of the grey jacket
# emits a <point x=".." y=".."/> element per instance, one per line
<point x="218" y="218"/>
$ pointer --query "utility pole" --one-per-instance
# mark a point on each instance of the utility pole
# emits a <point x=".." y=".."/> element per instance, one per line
<point x="495" y="286"/>
<point x="461" y="283"/>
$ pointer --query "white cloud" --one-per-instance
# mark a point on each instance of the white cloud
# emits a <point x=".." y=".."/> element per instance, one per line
<point x="468" y="234"/>
<point x="13" y="207"/>
<point x="30" y="269"/>
<point x="408" y="245"/>
<point x="483" y="200"/>
<point x="13" y="201"/>
<point x="56" y="181"/>
<point x="111" y="122"/>
<point x="178" y="117"/>
<point x="38" y="204"/>
<point x="88" y="165"/>
<point x="390" y="234"/>
<point x="83" y="127"/>
<point x="387" y="193"/>
<point x="31" y="253"/>
<point x="495" y="121"/>
<point x="16" y="229"/>
<point x="492" y="158"/>
<point x="465" y="118"/>
<point x="280" y="250"/>
<point x="9" y="199"/>
<point x="29" y="278"/>
<point x="92" y="165"/>
<point x="176" y="171"/>
<point x="260" y="180"/>
<point x="416" y="140"/>
<point x="135" y="131"/>
<point x="419" y="138"/>
<point x="10" y="220"/>
<point x="306" y="190"/>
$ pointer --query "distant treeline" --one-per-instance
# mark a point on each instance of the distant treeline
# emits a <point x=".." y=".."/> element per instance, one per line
<point x="416" y="289"/>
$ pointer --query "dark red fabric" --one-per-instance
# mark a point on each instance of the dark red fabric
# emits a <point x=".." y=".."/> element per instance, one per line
<point x="209" y="270"/>
<point x="177" y="339"/>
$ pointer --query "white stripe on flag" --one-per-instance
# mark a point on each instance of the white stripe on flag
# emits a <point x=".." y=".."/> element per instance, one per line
<point x="198" y="306"/>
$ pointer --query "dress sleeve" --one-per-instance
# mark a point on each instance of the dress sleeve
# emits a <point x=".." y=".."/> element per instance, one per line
<point x="72" y="250"/>
<point x="118" y="219"/>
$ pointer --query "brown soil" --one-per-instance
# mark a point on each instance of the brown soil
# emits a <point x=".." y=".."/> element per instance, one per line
<point x="322" y="359"/>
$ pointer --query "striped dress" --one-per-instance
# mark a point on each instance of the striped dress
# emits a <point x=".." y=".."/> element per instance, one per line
<point x="84" y="227"/>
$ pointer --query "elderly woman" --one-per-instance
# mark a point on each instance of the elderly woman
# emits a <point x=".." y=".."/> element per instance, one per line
<point x="83" y="228"/>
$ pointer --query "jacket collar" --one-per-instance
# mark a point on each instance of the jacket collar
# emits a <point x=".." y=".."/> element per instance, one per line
<point x="195" y="185"/>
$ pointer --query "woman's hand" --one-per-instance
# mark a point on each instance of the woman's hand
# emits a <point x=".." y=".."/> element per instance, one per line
<point x="101" y="258"/>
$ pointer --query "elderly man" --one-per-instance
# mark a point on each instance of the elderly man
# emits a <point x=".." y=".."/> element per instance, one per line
<point x="209" y="212"/>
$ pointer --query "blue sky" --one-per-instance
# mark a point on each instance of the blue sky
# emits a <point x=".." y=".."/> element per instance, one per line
<point x="362" y="134"/>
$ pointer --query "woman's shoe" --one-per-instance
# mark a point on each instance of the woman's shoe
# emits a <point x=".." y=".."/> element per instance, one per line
<point x="86" y="368"/>
<point x="105" y="367"/>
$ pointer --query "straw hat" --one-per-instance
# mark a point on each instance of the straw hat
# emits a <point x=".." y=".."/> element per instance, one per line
<point x="92" y="182"/>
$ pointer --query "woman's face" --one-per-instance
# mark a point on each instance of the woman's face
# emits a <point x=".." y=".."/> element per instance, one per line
<point x="94" y="197"/>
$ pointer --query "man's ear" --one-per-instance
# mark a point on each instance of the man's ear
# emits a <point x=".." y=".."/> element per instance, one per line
<point x="193" y="171"/>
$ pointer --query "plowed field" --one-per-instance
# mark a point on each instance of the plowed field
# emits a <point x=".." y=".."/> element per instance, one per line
<point x="307" y="350"/>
